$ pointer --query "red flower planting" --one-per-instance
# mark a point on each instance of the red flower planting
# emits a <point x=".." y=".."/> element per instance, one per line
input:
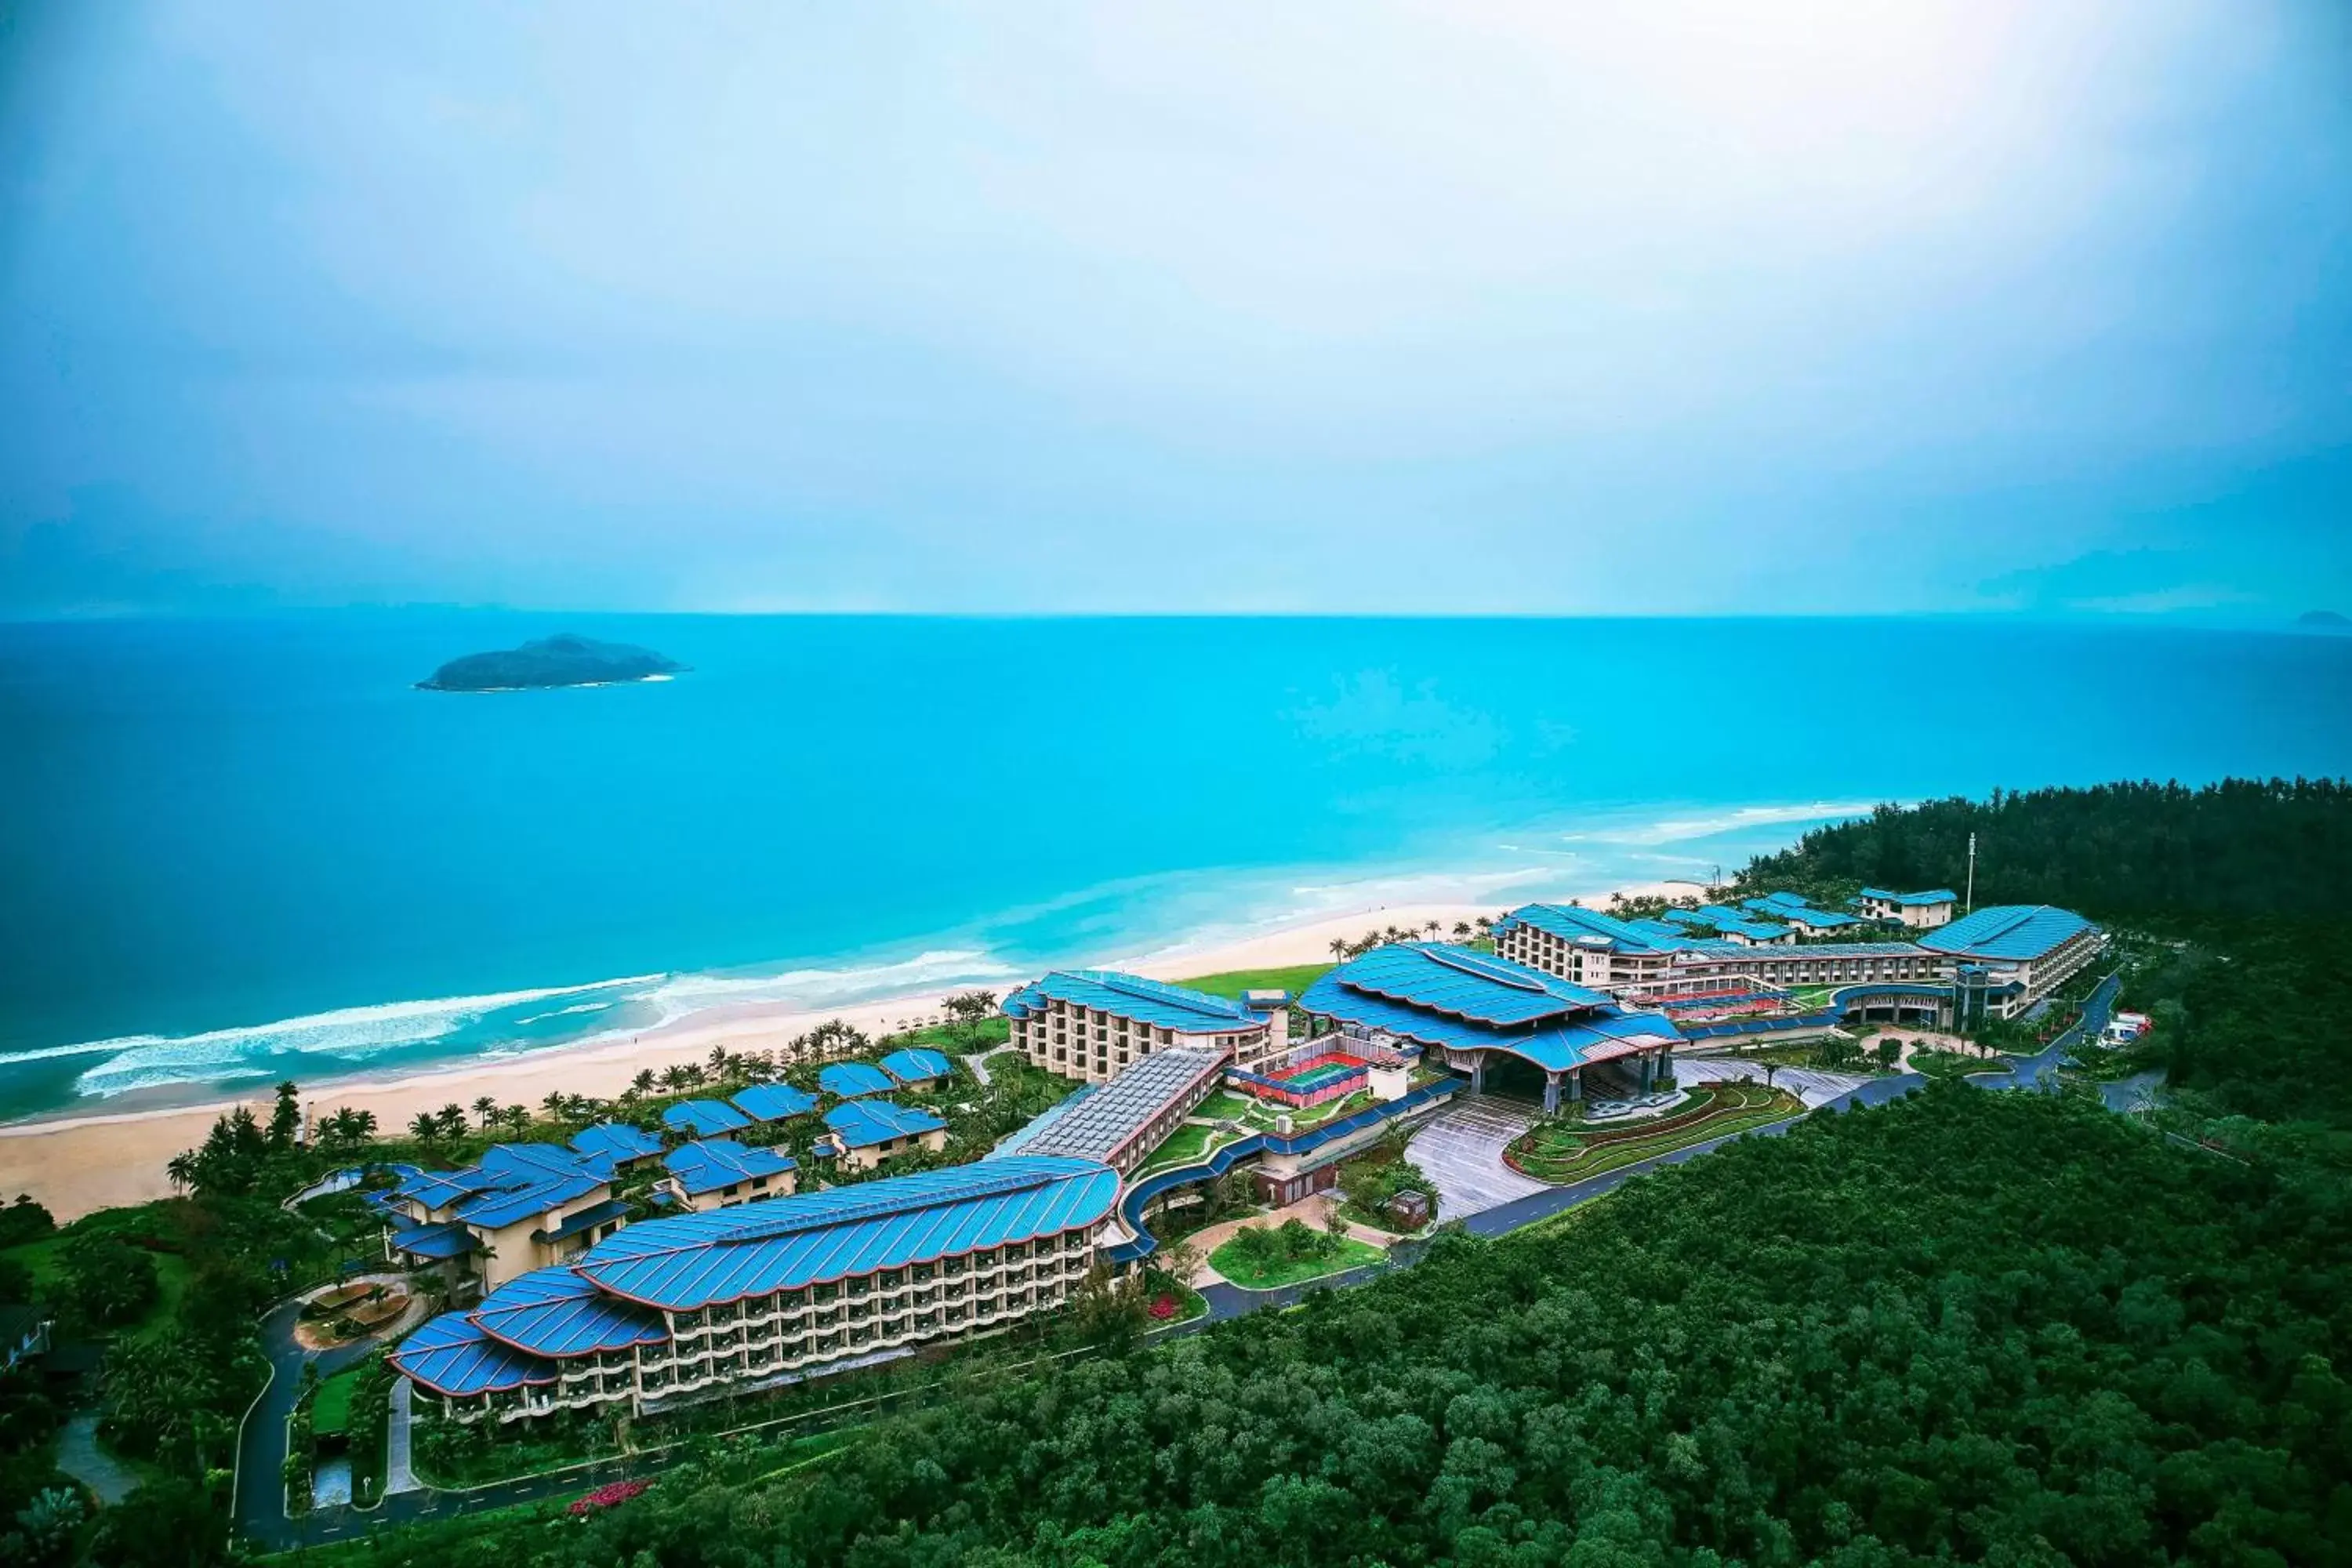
<point x="607" y="1497"/>
<point x="1163" y="1307"/>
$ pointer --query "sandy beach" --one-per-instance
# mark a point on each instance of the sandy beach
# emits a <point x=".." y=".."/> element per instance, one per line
<point x="78" y="1164"/>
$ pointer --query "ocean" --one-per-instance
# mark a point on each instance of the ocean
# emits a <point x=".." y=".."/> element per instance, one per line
<point x="236" y="851"/>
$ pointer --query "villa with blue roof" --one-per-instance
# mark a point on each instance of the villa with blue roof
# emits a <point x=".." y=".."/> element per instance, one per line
<point x="1922" y="911"/>
<point x="865" y="1133"/>
<point x="1093" y="1024"/>
<point x="2010" y="955"/>
<point x="767" y="1102"/>
<point x="618" y="1142"/>
<point x="1800" y="916"/>
<point x="524" y="1206"/>
<point x="719" y="1173"/>
<point x="854" y="1080"/>
<point x="918" y="1068"/>
<point x="704" y="1119"/>
<point x="1479" y="1012"/>
<point x="737" y="1299"/>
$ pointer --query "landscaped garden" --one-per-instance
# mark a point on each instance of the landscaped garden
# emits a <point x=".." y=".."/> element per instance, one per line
<point x="1266" y="1257"/>
<point x="1566" y="1152"/>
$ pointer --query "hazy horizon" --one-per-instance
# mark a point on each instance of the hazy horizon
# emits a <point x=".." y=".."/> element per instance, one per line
<point x="2038" y="310"/>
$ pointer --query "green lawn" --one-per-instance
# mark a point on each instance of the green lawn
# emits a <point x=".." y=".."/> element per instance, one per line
<point x="1183" y="1147"/>
<point x="1233" y="982"/>
<point x="1224" y="1104"/>
<point x="1353" y="1253"/>
<point x="330" y="1407"/>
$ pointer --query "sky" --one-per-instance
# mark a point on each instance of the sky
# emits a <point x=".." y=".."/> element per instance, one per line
<point x="1653" y="309"/>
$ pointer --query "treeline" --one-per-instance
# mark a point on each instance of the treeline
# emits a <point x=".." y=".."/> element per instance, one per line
<point x="1989" y="1328"/>
<point x="2242" y="847"/>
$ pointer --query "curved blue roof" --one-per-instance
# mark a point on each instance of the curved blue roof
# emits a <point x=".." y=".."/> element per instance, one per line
<point x="451" y="1355"/>
<point x="1450" y="998"/>
<point x="864" y="1123"/>
<point x="711" y="1164"/>
<point x="774" y="1102"/>
<point x="1464" y="983"/>
<point x="1154" y="1002"/>
<point x="692" y="1261"/>
<point x="1926" y="897"/>
<point x="705" y="1117"/>
<point x="555" y="1313"/>
<point x="918" y="1064"/>
<point x="438" y="1243"/>
<point x="1573" y="923"/>
<point x="851" y="1079"/>
<point x="617" y="1140"/>
<point x="2007" y="930"/>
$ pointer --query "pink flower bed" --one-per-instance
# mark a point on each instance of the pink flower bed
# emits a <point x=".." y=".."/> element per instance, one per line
<point x="607" y="1497"/>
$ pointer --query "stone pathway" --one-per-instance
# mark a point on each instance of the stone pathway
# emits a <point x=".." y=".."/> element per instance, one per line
<point x="79" y="1456"/>
<point x="399" y="1475"/>
<point x="1462" y="1151"/>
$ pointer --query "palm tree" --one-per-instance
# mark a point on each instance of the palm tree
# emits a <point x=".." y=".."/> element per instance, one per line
<point x="487" y="1109"/>
<point x="1338" y="947"/>
<point x="674" y="1076"/>
<point x="719" y="1061"/>
<point x="453" y="1120"/>
<point x="518" y="1117"/>
<point x="425" y="1128"/>
<point x="557" y="1104"/>
<point x="1433" y="928"/>
<point x="644" y="1082"/>
<point x="182" y="1169"/>
<point x="1461" y="931"/>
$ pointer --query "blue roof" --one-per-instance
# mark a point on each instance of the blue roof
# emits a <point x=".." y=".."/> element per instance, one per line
<point x="774" y="1102"/>
<point x="513" y="1182"/>
<point x="617" y="1140"/>
<point x="1440" y="977"/>
<point x="1572" y="922"/>
<point x="435" y="1242"/>
<point x="1777" y="900"/>
<point x="705" y="1117"/>
<point x="1425" y="992"/>
<point x="508" y="1205"/>
<point x="716" y="1162"/>
<point x="851" y="1079"/>
<point x="1820" y="920"/>
<point x="2006" y="931"/>
<point x="437" y="1189"/>
<point x="1931" y="896"/>
<point x="918" y="1064"/>
<point x="555" y="1313"/>
<point x="450" y="1354"/>
<point x="693" y="1260"/>
<point x="1154" y="1002"/>
<point x="865" y="1123"/>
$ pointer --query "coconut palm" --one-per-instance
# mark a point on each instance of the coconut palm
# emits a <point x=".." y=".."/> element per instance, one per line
<point x="425" y="1128"/>
<point x="453" y="1120"/>
<point x="1338" y="947"/>
<point x="557" y="1104"/>
<point x="486" y="1109"/>
<point x="182" y="1169"/>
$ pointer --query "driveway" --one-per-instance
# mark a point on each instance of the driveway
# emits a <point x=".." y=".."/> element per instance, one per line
<point x="1813" y="1085"/>
<point x="1462" y="1151"/>
<point x="79" y="1456"/>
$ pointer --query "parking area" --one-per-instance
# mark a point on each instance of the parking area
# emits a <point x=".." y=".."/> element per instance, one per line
<point x="1462" y="1151"/>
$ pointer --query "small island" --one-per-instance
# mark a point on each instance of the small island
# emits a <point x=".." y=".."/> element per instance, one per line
<point x="563" y="660"/>
<point x="2324" y="621"/>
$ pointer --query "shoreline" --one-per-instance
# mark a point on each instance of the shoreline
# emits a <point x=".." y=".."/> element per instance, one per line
<point x="76" y="1162"/>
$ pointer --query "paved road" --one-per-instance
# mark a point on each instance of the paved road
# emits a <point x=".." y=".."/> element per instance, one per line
<point x="260" y="1505"/>
<point x="399" y="1474"/>
<point x="79" y="1456"/>
<point x="1462" y="1151"/>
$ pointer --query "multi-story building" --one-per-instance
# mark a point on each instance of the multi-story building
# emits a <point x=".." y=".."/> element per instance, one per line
<point x="737" y="1299"/>
<point x="2008" y="956"/>
<point x="1922" y="911"/>
<point x="1121" y="1123"/>
<point x="1093" y="1024"/>
<point x="1588" y="948"/>
<point x="719" y="1172"/>
<point x="524" y="1206"/>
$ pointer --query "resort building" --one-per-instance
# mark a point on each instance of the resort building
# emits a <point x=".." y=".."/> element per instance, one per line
<point x="618" y="1141"/>
<point x="863" y="1133"/>
<point x="1094" y="1024"/>
<point x="704" y="1119"/>
<point x="739" y="1300"/>
<point x="719" y="1172"/>
<point x="1478" y="1012"/>
<point x="854" y="1080"/>
<point x="1120" y="1123"/>
<point x="1588" y="948"/>
<point x="919" y="1068"/>
<point x="1731" y="925"/>
<point x="1920" y="912"/>
<point x="1805" y="920"/>
<point x="2009" y="956"/>
<point x="771" y="1102"/>
<point x="525" y="1206"/>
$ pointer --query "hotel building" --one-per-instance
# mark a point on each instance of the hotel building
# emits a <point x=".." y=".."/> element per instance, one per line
<point x="1091" y="1023"/>
<point x="524" y="1206"/>
<point x="2008" y="956"/>
<point x="741" y="1298"/>
<point x="1921" y="910"/>
<point x="719" y="1172"/>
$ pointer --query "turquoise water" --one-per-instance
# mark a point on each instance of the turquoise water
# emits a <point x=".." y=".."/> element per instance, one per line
<point x="230" y="852"/>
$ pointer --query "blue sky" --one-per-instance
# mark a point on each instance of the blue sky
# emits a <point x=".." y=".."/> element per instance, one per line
<point x="1651" y="308"/>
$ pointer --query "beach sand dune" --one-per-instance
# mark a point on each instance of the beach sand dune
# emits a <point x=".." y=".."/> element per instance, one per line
<point x="78" y="1164"/>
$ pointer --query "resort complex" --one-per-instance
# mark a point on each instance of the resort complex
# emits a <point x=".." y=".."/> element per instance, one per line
<point x="758" y="1270"/>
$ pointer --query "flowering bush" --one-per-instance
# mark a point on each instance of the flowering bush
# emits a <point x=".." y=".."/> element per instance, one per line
<point x="1163" y="1307"/>
<point x="607" y="1497"/>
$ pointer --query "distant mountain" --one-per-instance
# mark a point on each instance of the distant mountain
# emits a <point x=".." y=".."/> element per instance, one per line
<point x="2324" y="621"/>
<point x="563" y="660"/>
